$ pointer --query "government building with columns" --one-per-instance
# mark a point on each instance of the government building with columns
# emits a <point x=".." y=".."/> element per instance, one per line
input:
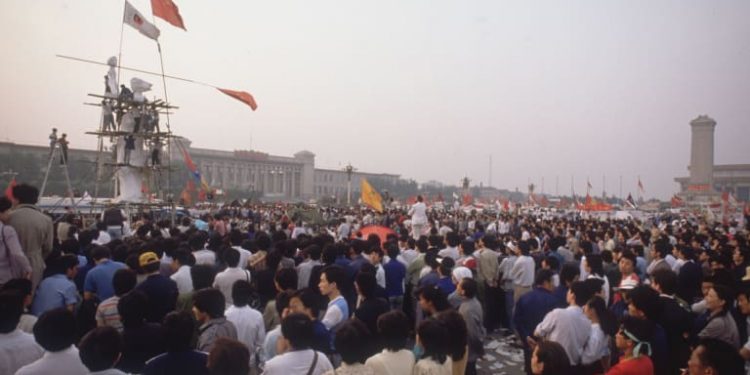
<point x="272" y="177"/>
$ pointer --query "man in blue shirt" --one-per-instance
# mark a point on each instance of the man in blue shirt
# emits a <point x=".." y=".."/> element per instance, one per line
<point x="395" y="271"/>
<point x="57" y="290"/>
<point x="99" y="280"/>
<point x="532" y="307"/>
<point x="160" y="290"/>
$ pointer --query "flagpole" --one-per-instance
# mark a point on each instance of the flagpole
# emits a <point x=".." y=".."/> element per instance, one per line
<point x="119" y="54"/>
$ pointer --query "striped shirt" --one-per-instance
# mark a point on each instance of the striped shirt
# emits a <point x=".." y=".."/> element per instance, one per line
<point x="107" y="314"/>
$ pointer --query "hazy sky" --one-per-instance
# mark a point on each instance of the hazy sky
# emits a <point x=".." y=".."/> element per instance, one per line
<point x="428" y="89"/>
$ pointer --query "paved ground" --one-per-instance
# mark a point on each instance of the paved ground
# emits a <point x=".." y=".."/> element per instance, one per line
<point x="502" y="355"/>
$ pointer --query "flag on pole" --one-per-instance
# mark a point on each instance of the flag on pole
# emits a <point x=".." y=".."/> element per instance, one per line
<point x="168" y="11"/>
<point x="370" y="196"/>
<point x="135" y="19"/>
<point x="242" y="96"/>
<point x="640" y="186"/>
<point x="9" y="189"/>
<point x="676" y="201"/>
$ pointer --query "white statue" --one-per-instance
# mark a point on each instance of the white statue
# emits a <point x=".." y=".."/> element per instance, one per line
<point x="131" y="154"/>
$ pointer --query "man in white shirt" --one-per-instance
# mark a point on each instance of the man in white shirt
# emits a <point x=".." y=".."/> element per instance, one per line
<point x="338" y="309"/>
<point x="181" y="271"/>
<point x="17" y="348"/>
<point x="297" y="333"/>
<point x="249" y="322"/>
<point x="522" y="272"/>
<point x="452" y="240"/>
<point x="418" y="213"/>
<point x="568" y="326"/>
<point x="226" y="279"/>
<point x="304" y="269"/>
<point x="55" y="331"/>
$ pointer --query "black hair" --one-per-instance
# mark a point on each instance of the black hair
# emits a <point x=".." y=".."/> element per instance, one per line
<point x="11" y="309"/>
<point x="366" y="283"/>
<point x="725" y="294"/>
<point x="524" y="247"/>
<point x="662" y="247"/>
<point x="132" y="308"/>
<point x="263" y="241"/>
<point x="308" y="298"/>
<point x="467" y="246"/>
<point x="452" y="239"/>
<point x="123" y="281"/>
<point x="63" y="263"/>
<point x="393" y="328"/>
<point x="569" y="273"/>
<point x="646" y="299"/>
<point x="5" y="204"/>
<point x="26" y="194"/>
<point x="55" y="330"/>
<point x="348" y="341"/>
<point x="100" y="348"/>
<point x="434" y="336"/>
<point x="542" y="276"/>
<point x="553" y="356"/>
<point x="202" y="275"/>
<point x="335" y="274"/>
<point x="469" y="286"/>
<point x="242" y="293"/>
<point x="642" y="329"/>
<point x="282" y="301"/>
<point x="595" y="263"/>
<point x="392" y="249"/>
<point x="210" y="301"/>
<point x="184" y="257"/>
<point x="458" y="333"/>
<point x="228" y="357"/>
<point x="629" y="255"/>
<point x="581" y="291"/>
<point x="607" y="319"/>
<point x="667" y="281"/>
<point x="231" y="257"/>
<point x="553" y="263"/>
<point x="433" y="294"/>
<point x="21" y="285"/>
<point x="286" y="278"/>
<point x="298" y="330"/>
<point x="178" y="329"/>
<point x="446" y="266"/>
<point x="720" y="356"/>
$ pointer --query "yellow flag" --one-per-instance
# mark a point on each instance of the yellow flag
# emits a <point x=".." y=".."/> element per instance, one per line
<point x="370" y="196"/>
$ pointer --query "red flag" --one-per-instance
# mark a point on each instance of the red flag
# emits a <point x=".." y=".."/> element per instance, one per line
<point x="168" y="11"/>
<point x="9" y="189"/>
<point x="468" y="199"/>
<point x="676" y="201"/>
<point x="242" y="96"/>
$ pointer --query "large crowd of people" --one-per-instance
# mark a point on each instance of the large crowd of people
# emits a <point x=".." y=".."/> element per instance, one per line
<point x="257" y="289"/>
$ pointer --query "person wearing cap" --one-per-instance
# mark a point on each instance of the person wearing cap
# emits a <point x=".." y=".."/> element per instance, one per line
<point x="160" y="290"/>
<point x="633" y="341"/>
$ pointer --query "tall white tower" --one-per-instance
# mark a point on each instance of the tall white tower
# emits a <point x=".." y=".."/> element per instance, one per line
<point x="702" y="155"/>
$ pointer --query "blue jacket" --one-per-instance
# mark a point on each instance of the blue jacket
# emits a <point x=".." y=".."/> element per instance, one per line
<point x="395" y="272"/>
<point x="531" y="309"/>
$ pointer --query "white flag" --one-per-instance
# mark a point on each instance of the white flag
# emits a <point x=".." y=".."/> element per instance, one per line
<point x="134" y="18"/>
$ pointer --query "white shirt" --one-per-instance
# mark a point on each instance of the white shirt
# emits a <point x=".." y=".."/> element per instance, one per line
<point x="380" y="275"/>
<point x="449" y="252"/>
<point x="409" y="255"/>
<point x="418" y="213"/>
<point x="244" y="255"/>
<point x="522" y="272"/>
<point x="17" y="349"/>
<point x="568" y="327"/>
<point x="205" y="256"/>
<point x="297" y="362"/>
<point x="250" y="328"/>
<point x="303" y="272"/>
<point x="183" y="279"/>
<point x="225" y="280"/>
<point x="65" y="362"/>
<point x="333" y="315"/>
<point x="605" y="286"/>
<point x="596" y="347"/>
<point x="427" y="366"/>
<point x="103" y="239"/>
<point x="392" y="363"/>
